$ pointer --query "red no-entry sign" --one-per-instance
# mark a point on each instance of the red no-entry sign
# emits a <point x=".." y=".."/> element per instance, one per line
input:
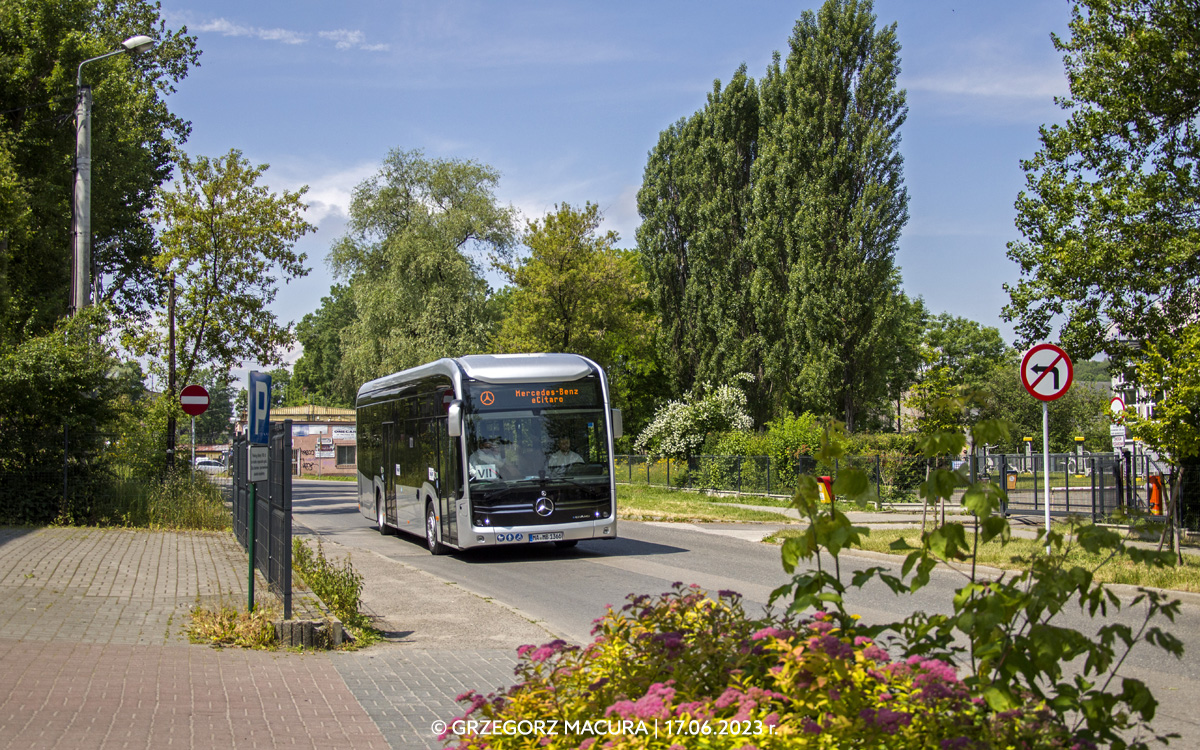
<point x="194" y="400"/>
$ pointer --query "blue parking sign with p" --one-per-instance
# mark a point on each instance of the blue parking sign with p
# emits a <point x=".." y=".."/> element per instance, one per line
<point x="259" y="413"/>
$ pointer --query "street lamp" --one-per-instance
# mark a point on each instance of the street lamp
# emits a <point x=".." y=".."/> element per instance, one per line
<point x="81" y="276"/>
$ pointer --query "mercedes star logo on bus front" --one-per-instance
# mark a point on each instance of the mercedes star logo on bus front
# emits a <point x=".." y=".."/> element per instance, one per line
<point x="544" y="506"/>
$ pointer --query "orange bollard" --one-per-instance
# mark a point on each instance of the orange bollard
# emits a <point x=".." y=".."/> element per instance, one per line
<point x="1156" y="492"/>
<point x="826" y="489"/>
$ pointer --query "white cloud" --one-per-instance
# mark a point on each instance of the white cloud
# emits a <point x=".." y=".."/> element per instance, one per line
<point x="228" y="28"/>
<point x="347" y="39"/>
<point x="994" y="83"/>
<point x="342" y="39"/>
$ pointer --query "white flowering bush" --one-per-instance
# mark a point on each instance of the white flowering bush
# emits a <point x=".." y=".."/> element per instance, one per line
<point x="680" y="427"/>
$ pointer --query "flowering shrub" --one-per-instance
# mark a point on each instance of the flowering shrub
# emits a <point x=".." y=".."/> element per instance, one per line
<point x="679" y="428"/>
<point x="686" y="670"/>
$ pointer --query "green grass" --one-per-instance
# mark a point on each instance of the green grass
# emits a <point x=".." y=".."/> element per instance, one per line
<point x="339" y="587"/>
<point x="1185" y="577"/>
<point x="183" y="501"/>
<point x="645" y="503"/>
<point x="331" y="477"/>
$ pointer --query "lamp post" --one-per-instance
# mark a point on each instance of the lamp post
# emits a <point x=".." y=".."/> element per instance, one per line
<point x="81" y="262"/>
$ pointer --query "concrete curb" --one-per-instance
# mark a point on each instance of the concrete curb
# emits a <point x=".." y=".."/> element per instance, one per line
<point x="318" y="634"/>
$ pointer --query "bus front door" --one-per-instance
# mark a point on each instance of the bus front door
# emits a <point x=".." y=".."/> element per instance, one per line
<point x="391" y="467"/>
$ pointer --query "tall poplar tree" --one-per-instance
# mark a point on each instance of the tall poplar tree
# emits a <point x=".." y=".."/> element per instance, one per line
<point x="830" y="203"/>
<point x="695" y="204"/>
<point x="771" y="218"/>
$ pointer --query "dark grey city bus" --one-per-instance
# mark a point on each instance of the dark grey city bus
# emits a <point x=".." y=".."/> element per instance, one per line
<point x="484" y="450"/>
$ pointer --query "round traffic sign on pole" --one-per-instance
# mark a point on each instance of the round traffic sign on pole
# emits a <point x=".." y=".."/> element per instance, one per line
<point x="1046" y="372"/>
<point x="194" y="400"/>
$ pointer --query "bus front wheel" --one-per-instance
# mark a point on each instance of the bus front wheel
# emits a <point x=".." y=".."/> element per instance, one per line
<point x="380" y="520"/>
<point x="431" y="540"/>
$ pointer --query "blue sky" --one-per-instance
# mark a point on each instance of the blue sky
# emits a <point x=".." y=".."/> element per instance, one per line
<point x="565" y="99"/>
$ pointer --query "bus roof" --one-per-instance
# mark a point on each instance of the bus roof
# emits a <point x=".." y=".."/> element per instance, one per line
<point x="493" y="368"/>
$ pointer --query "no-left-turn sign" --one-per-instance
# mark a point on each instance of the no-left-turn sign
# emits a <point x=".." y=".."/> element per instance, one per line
<point x="1046" y="372"/>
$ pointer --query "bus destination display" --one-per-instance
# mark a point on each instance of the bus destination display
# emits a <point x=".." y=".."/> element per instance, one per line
<point x="494" y="397"/>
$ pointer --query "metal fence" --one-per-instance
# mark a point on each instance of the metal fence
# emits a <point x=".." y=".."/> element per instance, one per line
<point x="272" y="511"/>
<point x="895" y="476"/>
<point x="89" y="476"/>
<point x="1097" y="484"/>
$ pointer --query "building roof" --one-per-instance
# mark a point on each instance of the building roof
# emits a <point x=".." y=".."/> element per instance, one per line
<point x="312" y="413"/>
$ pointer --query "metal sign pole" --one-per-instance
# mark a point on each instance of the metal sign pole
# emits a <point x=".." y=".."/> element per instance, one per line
<point x="193" y="442"/>
<point x="250" y="536"/>
<point x="1046" y="464"/>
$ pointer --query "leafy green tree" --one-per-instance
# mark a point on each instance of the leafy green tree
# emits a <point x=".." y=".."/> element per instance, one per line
<point x="829" y="207"/>
<point x="1091" y="371"/>
<point x="575" y="292"/>
<point x="1170" y="371"/>
<point x="227" y="241"/>
<point x="53" y="386"/>
<point x="1111" y="247"/>
<point x="213" y="425"/>
<point x="967" y="349"/>
<point x="417" y="231"/>
<point x="695" y="204"/>
<point x="317" y="374"/>
<point x="957" y="354"/>
<point x="906" y="358"/>
<point x="42" y="43"/>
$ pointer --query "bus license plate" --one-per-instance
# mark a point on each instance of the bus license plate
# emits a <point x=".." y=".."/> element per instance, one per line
<point x="552" y="536"/>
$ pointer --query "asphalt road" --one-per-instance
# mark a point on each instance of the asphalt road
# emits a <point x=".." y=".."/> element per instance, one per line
<point x="565" y="590"/>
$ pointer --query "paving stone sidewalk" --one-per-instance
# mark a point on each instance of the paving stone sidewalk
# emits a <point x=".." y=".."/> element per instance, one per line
<point x="93" y="654"/>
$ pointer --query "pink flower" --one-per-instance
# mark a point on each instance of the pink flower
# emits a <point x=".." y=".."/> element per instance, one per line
<point x="545" y="652"/>
<point x="876" y="654"/>
<point x="772" y="632"/>
<point x="729" y="697"/>
<point x="652" y="705"/>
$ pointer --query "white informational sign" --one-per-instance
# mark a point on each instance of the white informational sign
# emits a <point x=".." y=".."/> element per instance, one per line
<point x="484" y="472"/>
<point x="345" y="433"/>
<point x="1116" y="429"/>
<point x="1118" y="442"/>
<point x="259" y="462"/>
<point x="304" y="430"/>
<point x="323" y="454"/>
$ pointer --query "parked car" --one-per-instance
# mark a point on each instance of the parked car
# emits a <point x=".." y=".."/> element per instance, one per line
<point x="209" y="466"/>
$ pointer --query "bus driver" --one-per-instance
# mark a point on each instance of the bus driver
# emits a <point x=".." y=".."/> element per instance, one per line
<point x="559" y="461"/>
<point x="487" y="462"/>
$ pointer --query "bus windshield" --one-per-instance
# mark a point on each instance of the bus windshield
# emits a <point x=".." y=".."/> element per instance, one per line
<point x="565" y="444"/>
